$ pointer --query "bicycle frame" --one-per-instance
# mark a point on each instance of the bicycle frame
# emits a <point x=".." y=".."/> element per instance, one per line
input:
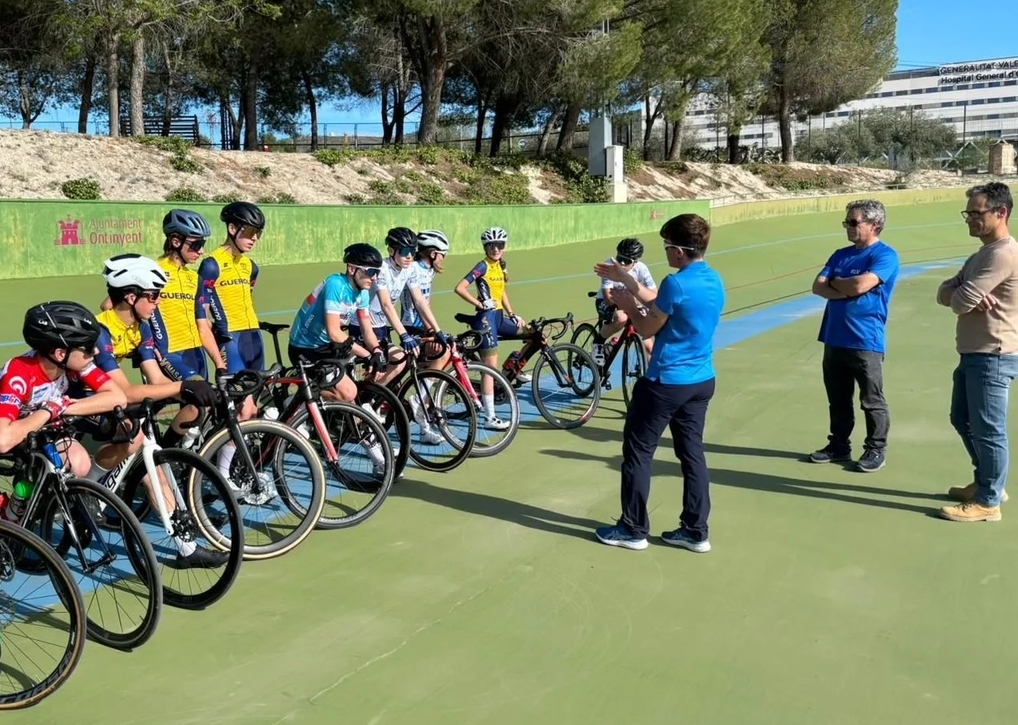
<point x="53" y="475"/>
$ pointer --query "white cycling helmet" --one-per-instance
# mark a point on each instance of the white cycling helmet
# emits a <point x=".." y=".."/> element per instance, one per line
<point x="134" y="270"/>
<point x="433" y="239"/>
<point x="495" y="234"/>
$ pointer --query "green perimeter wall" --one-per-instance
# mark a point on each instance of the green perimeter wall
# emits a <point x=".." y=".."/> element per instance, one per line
<point x="65" y="238"/>
<point x="748" y="210"/>
<point x="60" y="238"/>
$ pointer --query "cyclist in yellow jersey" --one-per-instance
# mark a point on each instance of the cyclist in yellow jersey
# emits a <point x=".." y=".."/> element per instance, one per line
<point x="492" y="304"/>
<point x="227" y="276"/>
<point x="134" y="283"/>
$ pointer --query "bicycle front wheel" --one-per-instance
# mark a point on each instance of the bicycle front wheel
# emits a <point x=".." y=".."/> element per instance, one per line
<point x="634" y="366"/>
<point x="197" y="563"/>
<point x="111" y="558"/>
<point x="566" y="385"/>
<point x="281" y="500"/>
<point x="497" y="428"/>
<point x="44" y="619"/>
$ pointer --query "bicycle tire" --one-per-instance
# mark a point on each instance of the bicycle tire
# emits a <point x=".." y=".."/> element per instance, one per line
<point x="447" y="383"/>
<point x="335" y="468"/>
<point x="71" y="598"/>
<point x="593" y="394"/>
<point x="396" y="416"/>
<point x="141" y="554"/>
<point x="308" y="516"/>
<point x="235" y="546"/>
<point x="583" y="334"/>
<point x="633" y="347"/>
<point x="502" y="388"/>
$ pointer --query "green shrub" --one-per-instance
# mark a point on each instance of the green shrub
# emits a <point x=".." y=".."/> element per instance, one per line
<point x="183" y="162"/>
<point x="226" y="198"/>
<point x="185" y="194"/>
<point x="173" y="144"/>
<point x="87" y="189"/>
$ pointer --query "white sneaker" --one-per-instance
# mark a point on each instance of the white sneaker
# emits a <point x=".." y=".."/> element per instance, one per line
<point x="493" y="422"/>
<point x="523" y="378"/>
<point x="430" y="436"/>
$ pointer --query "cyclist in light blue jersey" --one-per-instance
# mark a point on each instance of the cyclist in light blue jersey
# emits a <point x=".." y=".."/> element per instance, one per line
<point x="320" y="331"/>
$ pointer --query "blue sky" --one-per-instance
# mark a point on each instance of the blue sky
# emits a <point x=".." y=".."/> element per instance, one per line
<point x="929" y="33"/>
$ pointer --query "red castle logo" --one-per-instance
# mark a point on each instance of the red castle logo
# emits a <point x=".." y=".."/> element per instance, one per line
<point x="69" y="232"/>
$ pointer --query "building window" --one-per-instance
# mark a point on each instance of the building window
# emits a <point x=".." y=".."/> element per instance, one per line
<point x="978" y="85"/>
<point x="977" y="101"/>
<point x="994" y="84"/>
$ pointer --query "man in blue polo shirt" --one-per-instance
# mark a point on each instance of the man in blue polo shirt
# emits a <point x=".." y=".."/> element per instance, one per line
<point x="682" y="316"/>
<point x="857" y="283"/>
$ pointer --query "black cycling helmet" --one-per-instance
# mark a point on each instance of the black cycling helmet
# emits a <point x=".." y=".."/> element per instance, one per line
<point x="362" y="255"/>
<point x="186" y="223"/>
<point x="243" y="213"/>
<point x="401" y="237"/>
<point x="630" y="247"/>
<point x="60" y="325"/>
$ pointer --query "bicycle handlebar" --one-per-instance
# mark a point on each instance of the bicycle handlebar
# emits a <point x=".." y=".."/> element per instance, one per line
<point x="238" y="386"/>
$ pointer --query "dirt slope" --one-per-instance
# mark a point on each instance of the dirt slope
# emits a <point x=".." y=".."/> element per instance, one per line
<point x="36" y="164"/>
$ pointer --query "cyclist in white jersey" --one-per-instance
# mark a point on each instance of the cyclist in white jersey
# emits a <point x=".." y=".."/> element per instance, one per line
<point x="628" y="254"/>
<point x="418" y="317"/>
<point x="392" y="280"/>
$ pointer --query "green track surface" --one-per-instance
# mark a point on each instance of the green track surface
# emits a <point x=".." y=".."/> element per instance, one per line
<point x="830" y="598"/>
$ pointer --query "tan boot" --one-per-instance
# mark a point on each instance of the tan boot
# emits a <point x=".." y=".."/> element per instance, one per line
<point x="970" y="511"/>
<point x="968" y="493"/>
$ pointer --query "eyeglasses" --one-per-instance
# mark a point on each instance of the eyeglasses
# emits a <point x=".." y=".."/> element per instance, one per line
<point x="150" y="295"/>
<point x="966" y="215"/>
<point x="249" y="232"/>
<point x="496" y="245"/>
<point x="404" y="251"/>
<point x="196" y="245"/>
<point x="624" y="260"/>
<point x="679" y="246"/>
<point x="87" y="352"/>
<point x="368" y="271"/>
<point x="853" y="223"/>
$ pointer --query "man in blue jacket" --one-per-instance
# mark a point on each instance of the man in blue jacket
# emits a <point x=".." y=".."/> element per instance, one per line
<point x="857" y="283"/>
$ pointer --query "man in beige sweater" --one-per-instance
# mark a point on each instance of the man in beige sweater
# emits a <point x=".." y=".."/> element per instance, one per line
<point x="984" y="295"/>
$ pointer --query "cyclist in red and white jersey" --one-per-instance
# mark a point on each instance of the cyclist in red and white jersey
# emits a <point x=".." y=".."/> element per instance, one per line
<point x="33" y="387"/>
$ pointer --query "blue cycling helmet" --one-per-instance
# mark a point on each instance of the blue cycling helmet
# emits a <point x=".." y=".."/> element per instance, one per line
<point x="186" y="223"/>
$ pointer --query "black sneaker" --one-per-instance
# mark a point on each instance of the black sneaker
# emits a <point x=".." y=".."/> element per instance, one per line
<point x="871" y="461"/>
<point x="203" y="559"/>
<point x="827" y="454"/>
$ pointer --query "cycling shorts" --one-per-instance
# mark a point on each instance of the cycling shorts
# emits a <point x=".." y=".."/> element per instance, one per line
<point x="185" y="365"/>
<point x="605" y="310"/>
<point x="501" y="326"/>
<point x="384" y="335"/>
<point x="245" y="351"/>
<point x="313" y="355"/>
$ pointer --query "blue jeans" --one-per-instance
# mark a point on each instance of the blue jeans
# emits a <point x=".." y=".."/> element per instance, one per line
<point x="979" y="414"/>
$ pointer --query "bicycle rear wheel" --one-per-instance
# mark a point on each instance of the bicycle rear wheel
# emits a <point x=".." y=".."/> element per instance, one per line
<point x="566" y="385"/>
<point x="200" y="492"/>
<point x="491" y="440"/>
<point x="360" y="475"/>
<point x="281" y="500"/>
<point x="450" y="413"/>
<point x="35" y="602"/>
<point x="92" y="528"/>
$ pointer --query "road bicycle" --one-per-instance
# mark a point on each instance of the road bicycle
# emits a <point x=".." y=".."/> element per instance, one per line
<point x="275" y="473"/>
<point x="42" y="619"/>
<point x="493" y="436"/>
<point x="105" y="546"/>
<point x="187" y="505"/>
<point x="354" y="448"/>
<point x="565" y="384"/>
<point x="605" y="352"/>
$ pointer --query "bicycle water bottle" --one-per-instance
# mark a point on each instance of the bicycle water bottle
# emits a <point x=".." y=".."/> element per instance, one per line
<point x="598" y="355"/>
<point x="18" y="502"/>
<point x="190" y="436"/>
<point x="271" y="413"/>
